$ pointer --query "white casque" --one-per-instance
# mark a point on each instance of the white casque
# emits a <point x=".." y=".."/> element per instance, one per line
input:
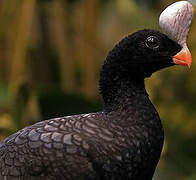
<point x="175" y="21"/>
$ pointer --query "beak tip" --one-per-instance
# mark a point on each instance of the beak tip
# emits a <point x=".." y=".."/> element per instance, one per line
<point x="183" y="58"/>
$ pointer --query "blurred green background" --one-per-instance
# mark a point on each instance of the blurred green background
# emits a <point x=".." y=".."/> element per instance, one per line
<point x="50" y="56"/>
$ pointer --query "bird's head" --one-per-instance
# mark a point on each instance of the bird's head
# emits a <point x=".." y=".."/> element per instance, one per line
<point x="142" y="53"/>
<point x="146" y="51"/>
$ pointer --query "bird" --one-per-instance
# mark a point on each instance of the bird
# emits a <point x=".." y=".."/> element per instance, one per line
<point x="124" y="140"/>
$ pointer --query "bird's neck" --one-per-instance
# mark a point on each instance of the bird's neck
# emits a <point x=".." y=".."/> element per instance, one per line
<point x="121" y="83"/>
<point x="120" y="94"/>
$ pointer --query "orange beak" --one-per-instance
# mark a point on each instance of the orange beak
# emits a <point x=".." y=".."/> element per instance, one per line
<point x="183" y="58"/>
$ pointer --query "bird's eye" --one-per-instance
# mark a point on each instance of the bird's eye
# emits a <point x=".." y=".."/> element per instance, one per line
<point x="152" y="42"/>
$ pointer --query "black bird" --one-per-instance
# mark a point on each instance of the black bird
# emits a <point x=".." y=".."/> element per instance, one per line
<point x="122" y="142"/>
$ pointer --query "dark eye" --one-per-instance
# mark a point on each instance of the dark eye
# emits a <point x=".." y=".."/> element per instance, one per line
<point x="152" y="42"/>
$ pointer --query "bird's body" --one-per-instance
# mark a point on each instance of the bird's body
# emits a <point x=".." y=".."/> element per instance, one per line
<point x="83" y="147"/>
<point x="114" y="145"/>
<point x="122" y="142"/>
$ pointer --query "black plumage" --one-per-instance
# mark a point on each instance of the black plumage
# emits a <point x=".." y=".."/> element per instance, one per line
<point x="124" y="141"/>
